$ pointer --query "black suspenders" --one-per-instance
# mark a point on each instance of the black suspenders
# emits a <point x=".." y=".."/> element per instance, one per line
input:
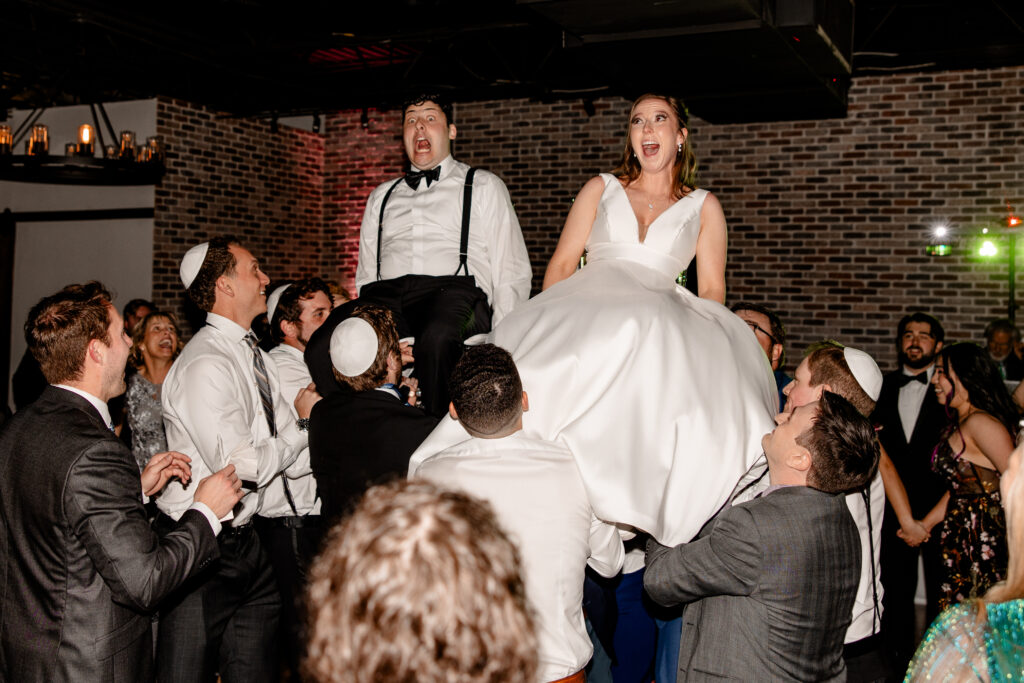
<point x="467" y="203"/>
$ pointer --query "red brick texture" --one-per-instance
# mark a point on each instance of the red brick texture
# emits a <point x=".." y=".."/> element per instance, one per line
<point x="233" y="176"/>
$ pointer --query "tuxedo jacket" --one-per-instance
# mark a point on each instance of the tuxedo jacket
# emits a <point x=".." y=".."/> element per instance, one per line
<point x="357" y="439"/>
<point x="768" y="589"/>
<point x="81" y="567"/>
<point x="913" y="458"/>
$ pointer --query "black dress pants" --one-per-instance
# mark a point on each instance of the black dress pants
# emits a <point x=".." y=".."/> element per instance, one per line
<point x="440" y="312"/>
<point x="899" y="580"/>
<point x="224" y="620"/>
<point x="291" y="543"/>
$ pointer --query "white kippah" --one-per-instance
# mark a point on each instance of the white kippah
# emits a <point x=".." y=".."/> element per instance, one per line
<point x="353" y="347"/>
<point x="865" y="371"/>
<point x="192" y="262"/>
<point x="273" y="300"/>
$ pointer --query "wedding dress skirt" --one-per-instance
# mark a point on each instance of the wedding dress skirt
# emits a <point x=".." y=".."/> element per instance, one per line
<point x="661" y="396"/>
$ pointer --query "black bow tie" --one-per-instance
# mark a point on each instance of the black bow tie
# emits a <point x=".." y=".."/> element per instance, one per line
<point x="413" y="177"/>
<point x="921" y="377"/>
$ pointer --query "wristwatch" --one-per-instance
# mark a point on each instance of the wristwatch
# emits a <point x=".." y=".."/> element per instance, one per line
<point x="303" y="424"/>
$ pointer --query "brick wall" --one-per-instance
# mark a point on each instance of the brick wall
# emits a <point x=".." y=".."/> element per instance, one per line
<point x="357" y="159"/>
<point x="828" y="219"/>
<point x="235" y="176"/>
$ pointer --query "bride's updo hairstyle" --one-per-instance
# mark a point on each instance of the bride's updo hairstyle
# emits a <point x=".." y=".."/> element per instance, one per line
<point x="685" y="168"/>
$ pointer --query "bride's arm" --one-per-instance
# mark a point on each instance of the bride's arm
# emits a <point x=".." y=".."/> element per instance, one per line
<point x="711" y="247"/>
<point x="575" y="233"/>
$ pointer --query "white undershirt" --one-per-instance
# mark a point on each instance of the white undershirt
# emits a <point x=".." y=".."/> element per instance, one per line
<point x="911" y="398"/>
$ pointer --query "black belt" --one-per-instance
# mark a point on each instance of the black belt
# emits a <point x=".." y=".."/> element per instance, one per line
<point x="859" y="648"/>
<point x="290" y="522"/>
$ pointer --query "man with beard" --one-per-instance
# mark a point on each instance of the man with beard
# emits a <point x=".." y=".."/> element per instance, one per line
<point x="910" y="419"/>
<point x="1000" y="338"/>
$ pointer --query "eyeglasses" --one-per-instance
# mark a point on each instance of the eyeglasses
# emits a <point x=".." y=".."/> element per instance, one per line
<point x="757" y="328"/>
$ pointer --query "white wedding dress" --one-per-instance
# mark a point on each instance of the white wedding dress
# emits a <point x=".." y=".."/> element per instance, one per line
<point x="661" y="396"/>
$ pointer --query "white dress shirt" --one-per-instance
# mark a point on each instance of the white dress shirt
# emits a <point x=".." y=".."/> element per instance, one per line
<point x="536" y="491"/>
<point x="104" y="410"/>
<point x="213" y="414"/>
<point x="864" y="622"/>
<point x="423" y="227"/>
<point x="910" y="400"/>
<point x="294" y="375"/>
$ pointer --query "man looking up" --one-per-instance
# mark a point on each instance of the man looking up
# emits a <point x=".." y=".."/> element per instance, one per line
<point x="222" y="405"/>
<point x="82" y="567"/>
<point x="441" y="248"/>
<point x="769" y="584"/>
<point x="289" y="519"/>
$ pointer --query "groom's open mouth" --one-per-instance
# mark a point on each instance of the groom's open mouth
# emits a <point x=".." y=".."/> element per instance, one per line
<point x="422" y="145"/>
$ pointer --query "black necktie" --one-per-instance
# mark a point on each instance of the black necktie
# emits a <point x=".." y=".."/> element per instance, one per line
<point x="921" y="377"/>
<point x="413" y="177"/>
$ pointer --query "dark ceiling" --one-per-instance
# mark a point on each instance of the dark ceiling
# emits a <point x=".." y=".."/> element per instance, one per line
<point x="731" y="60"/>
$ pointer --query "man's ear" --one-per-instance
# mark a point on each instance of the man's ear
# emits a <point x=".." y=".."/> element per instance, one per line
<point x="938" y="346"/>
<point x="799" y="459"/>
<point x="224" y="285"/>
<point x="96" y="351"/>
<point x="776" y="354"/>
<point x="451" y="411"/>
<point x="452" y="131"/>
<point x="821" y="389"/>
<point x="289" y="329"/>
<point x="526" y="402"/>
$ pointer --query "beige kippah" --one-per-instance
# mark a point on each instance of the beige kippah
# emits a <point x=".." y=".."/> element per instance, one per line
<point x="865" y="371"/>
<point x="192" y="262"/>
<point x="353" y="347"/>
<point x="273" y="300"/>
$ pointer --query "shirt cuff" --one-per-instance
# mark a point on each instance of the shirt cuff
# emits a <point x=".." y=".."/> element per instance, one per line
<point x="208" y="513"/>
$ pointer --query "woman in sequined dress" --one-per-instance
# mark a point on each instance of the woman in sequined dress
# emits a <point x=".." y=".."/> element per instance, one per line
<point x="983" y="639"/>
<point x="974" y="450"/>
<point x="155" y="345"/>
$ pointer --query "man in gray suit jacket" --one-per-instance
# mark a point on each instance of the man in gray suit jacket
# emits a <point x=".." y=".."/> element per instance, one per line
<point x="80" y="566"/>
<point x="769" y="584"/>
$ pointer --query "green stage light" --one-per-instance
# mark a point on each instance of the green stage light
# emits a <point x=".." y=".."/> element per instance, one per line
<point x="988" y="249"/>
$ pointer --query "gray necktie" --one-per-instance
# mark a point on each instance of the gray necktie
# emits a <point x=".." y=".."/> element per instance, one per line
<point x="267" y="399"/>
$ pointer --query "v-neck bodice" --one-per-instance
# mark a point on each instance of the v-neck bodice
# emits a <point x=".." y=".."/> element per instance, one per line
<point x="673" y="233"/>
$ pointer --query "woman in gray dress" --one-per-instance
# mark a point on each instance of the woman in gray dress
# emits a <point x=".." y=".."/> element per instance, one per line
<point x="155" y="345"/>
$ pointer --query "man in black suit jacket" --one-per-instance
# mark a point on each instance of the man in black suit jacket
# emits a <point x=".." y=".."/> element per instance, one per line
<point x="1001" y="339"/>
<point x="365" y="432"/>
<point x="911" y="421"/>
<point x="80" y="565"/>
<point x="769" y="585"/>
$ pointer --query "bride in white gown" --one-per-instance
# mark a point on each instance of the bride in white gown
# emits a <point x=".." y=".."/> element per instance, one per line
<point x="661" y="396"/>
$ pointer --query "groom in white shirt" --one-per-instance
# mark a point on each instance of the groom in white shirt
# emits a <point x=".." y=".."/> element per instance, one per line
<point x="444" y="278"/>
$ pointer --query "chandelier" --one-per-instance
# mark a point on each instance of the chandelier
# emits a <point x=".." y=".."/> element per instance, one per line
<point x="93" y="160"/>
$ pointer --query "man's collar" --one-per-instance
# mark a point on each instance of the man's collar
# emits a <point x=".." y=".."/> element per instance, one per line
<point x="447" y="164"/>
<point x="929" y="370"/>
<point x="97" y="403"/>
<point x="229" y="328"/>
<point x="288" y="348"/>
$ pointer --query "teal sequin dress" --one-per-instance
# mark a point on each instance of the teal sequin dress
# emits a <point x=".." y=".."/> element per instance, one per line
<point x="973" y="642"/>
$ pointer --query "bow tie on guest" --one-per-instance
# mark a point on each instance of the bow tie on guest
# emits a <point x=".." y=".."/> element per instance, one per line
<point x="413" y="177"/>
<point x="921" y="377"/>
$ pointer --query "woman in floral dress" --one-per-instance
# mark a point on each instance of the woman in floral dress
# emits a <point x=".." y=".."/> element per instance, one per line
<point x="975" y="449"/>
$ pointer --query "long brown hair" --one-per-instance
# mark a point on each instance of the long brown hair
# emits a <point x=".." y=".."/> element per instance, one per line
<point x="684" y="171"/>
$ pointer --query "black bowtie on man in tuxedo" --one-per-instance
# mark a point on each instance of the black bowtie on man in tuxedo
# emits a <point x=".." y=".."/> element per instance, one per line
<point x="82" y="567"/>
<point x="440" y="247"/>
<point x="911" y="420"/>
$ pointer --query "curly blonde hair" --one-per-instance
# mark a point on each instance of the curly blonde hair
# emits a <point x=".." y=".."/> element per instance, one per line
<point x="419" y="584"/>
